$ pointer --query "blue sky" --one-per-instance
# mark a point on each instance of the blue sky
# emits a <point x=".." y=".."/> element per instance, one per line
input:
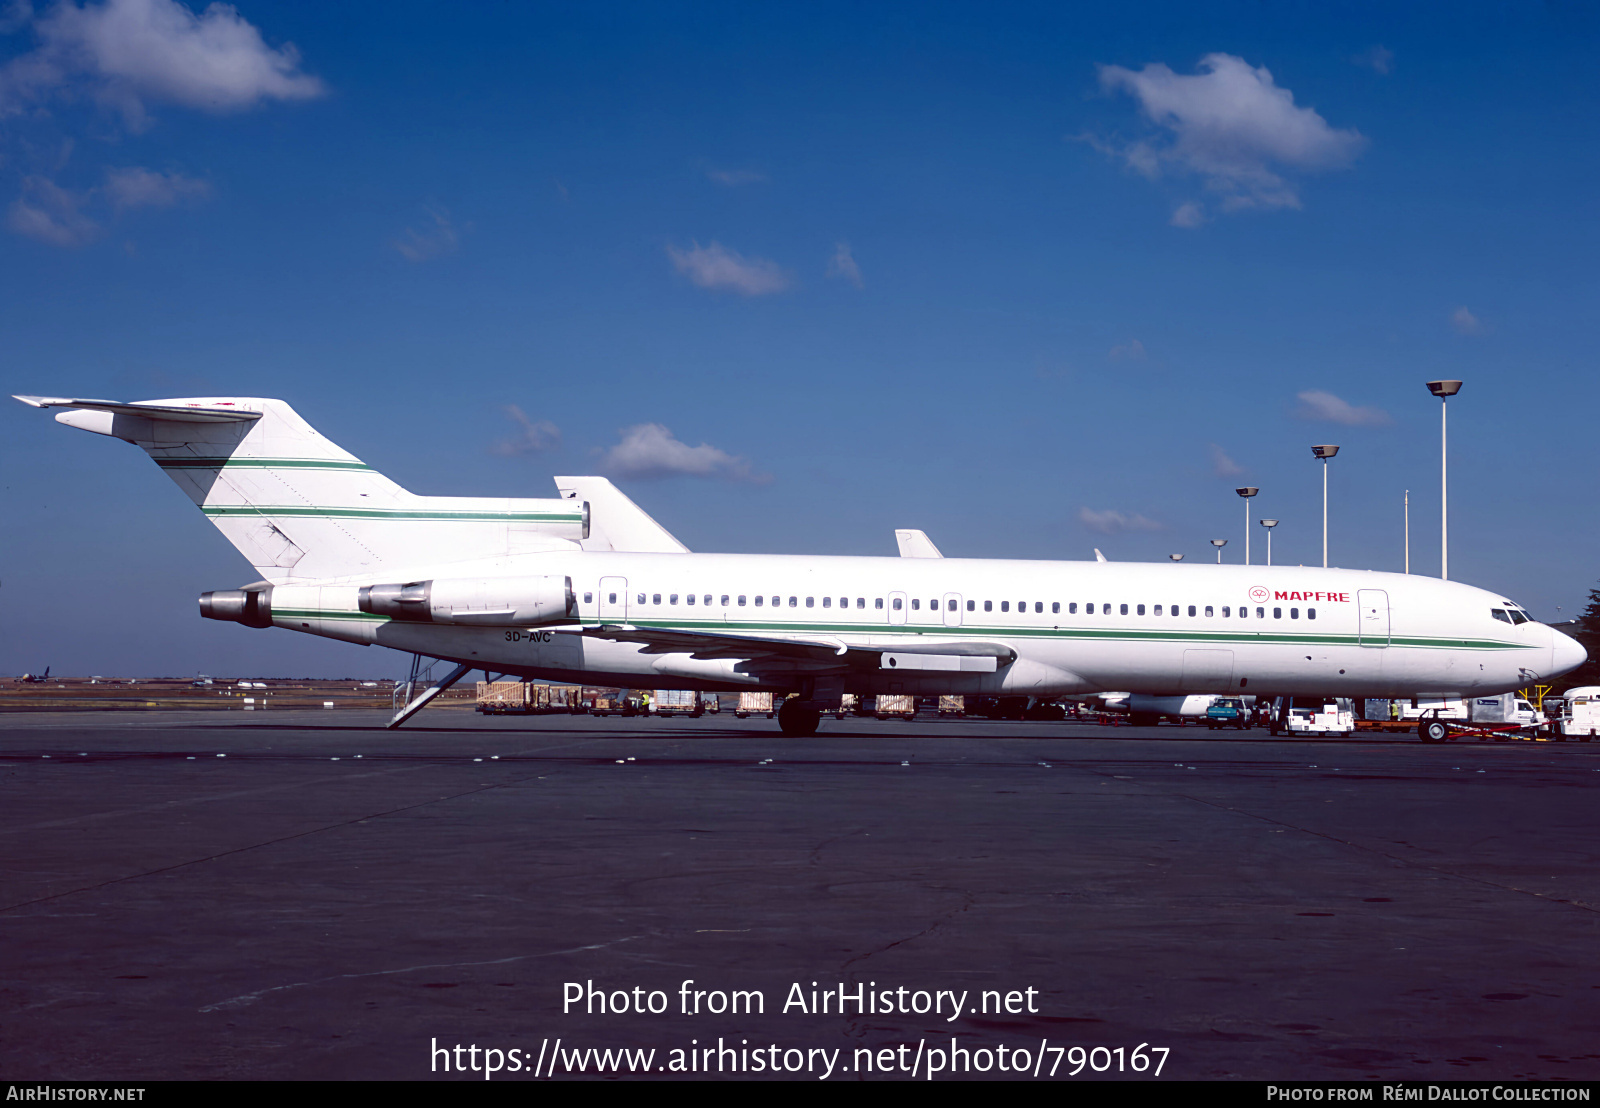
<point x="1034" y="279"/>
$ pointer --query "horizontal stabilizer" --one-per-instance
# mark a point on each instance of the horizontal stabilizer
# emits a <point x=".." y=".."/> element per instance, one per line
<point x="915" y="544"/>
<point x="220" y="412"/>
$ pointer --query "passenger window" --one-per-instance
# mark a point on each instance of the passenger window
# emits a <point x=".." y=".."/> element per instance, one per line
<point x="1038" y="607"/>
<point x="877" y="602"/>
<point x="1055" y="607"/>
<point x="916" y="604"/>
<point x="933" y="605"/>
<point x="708" y="600"/>
<point x="655" y="598"/>
<point x="1072" y="608"/>
<point x="1158" y="610"/>
<point x="673" y="599"/>
<point x="689" y="599"/>
<point x="1208" y="611"/>
<point x="1294" y="613"/>
<point x="811" y="602"/>
<point x="950" y="605"/>
<point x="1277" y="613"/>
<point x="588" y="598"/>
<point x="896" y="603"/>
<point x="971" y="604"/>
<point x="1124" y="609"/>
<point x="725" y="600"/>
<point x="777" y="601"/>
<point x="1227" y="610"/>
<point x="1311" y="613"/>
<point x="641" y="598"/>
<point x="1261" y="613"/>
<point x="1141" y="609"/>
<point x="613" y="598"/>
<point x="827" y="602"/>
<point x="1088" y="609"/>
<point x="988" y="606"/>
<point x="861" y="602"/>
<point x="1191" y="610"/>
<point x="741" y="601"/>
<point x="1005" y="605"/>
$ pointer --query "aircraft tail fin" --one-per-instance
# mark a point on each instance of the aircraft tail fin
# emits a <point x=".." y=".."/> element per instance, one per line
<point x="915" y="544"/>
<point x="615" y="522"/>
<point x="297" y="506"/>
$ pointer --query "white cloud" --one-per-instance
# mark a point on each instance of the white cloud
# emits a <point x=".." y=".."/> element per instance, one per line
<point x="1465" y="322"/>
<point x="1131" y="351"/>
<point x="535" y="437"/>
<point x="49" y="213"/>
<point x="649" y="450"/>
<point x="1379" y="58"/>
<point x="1231" y="125"/>
<point x="1110" y="522"/>
<point x="843" y="265"/>
<point x="717" y="267"/>
<point x="1319" y="405"/>
<point x="130" y="52"/>
<point x="733" y="178"/>
<point x="439" y="237"/>
<point x="1222" y="465"/>
<point x="137" y="187"/>
<point x="1188" y="216"/>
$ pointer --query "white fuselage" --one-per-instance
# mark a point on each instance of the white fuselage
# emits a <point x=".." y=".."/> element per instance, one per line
<point x="1074" y="627"/>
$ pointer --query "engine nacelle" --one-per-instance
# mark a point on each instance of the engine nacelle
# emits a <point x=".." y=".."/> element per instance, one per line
<point x="474" y="601"/>
<point x="252" y="608"/>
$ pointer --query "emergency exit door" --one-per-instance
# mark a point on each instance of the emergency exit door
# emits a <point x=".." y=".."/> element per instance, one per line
<point x="613" y="600"/>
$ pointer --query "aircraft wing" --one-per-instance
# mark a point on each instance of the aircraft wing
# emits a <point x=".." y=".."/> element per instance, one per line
<point x="810" y="654"/>
<point x="183" y="414"/>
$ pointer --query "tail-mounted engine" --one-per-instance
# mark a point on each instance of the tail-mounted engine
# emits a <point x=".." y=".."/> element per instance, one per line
<point x="474" y="602"/>
<point x="252" y="608"/>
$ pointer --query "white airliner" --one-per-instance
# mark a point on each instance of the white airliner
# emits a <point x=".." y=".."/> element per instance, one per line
<point x="588" y="588"/>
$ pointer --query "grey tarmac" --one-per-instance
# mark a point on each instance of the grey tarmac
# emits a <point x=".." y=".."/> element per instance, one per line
<point x="330" y="898"/>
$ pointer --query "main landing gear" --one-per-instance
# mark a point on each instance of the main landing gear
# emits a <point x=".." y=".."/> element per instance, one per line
<point x="796" y="721"/>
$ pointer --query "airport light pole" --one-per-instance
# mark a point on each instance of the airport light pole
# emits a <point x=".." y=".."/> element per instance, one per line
<point x="1219" y="544"/>
<point x="1408" y="530"/>
<point x="1269" y="524"/>
<point x="1444" y="390"/>
<point x="1323" y="452"/>
<point x="1247" y="493"/>
<point x="1176" y="557"/>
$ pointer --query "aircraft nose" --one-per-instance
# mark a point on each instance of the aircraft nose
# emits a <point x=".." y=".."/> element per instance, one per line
<point x="1566" y="653"/>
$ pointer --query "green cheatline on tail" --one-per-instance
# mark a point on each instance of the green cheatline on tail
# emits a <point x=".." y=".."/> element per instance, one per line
<point x="261" y="463"/>
<point x="284" y="510"/>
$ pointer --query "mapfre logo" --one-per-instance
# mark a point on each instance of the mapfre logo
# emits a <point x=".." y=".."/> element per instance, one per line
<point x="1260" y="594"/>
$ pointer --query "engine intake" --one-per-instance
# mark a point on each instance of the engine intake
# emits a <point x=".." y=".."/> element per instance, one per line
<point x="252" y="608"/>
<point x="474" y="601"/>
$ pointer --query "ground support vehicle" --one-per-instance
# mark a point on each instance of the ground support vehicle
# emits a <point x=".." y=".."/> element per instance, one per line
<point x="1227" y="711"/>
<point x="755" y="703"/>
<point x="626" y="702"/>
<point x="953" y="706"/>
<point x="1315" y="715"/>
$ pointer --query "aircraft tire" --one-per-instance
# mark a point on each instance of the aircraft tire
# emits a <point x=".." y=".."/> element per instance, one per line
<point x="1433" y="731"/>
<point x="797" y="722"/>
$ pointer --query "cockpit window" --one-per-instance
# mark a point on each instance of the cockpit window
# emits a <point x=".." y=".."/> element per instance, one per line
<point x="1519" y="616"/>
<point x="1500" y="614"/>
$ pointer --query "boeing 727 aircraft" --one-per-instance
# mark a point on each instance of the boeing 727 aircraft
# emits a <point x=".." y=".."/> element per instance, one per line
<point x="587" y="588"/>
